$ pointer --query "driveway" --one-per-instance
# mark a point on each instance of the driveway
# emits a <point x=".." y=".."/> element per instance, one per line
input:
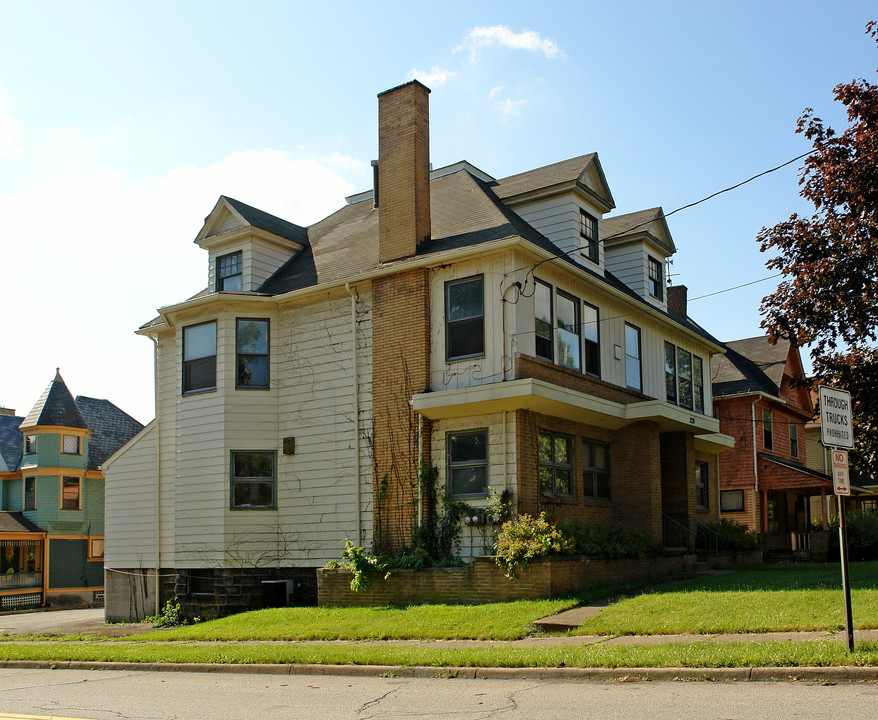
<point x="65" y="622"/>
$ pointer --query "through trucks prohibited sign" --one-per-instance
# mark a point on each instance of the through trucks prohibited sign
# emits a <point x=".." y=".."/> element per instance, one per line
<point x="836" y="422"/>
<point x="840" y="479"/>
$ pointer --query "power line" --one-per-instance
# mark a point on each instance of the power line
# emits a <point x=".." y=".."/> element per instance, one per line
<point x="736" y="287"/>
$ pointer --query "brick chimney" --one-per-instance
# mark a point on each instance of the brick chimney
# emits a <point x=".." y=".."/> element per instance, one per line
<point x="7" y="412"/>
<point x="678" y="299"/>
<point x="403" y="170"/>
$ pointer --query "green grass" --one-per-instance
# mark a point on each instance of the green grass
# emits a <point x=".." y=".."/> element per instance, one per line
<point x="492" y="621"/>
<point x="772" y="599"/>
<point x="704" y="654"/>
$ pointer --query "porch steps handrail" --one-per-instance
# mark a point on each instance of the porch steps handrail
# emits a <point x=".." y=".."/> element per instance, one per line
<point x="709" y="533"/>
<point x="683" y="533"/>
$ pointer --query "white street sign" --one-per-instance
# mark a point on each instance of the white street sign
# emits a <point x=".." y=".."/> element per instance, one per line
<point x="841" y="483"/>
<point x="836" y="418"/>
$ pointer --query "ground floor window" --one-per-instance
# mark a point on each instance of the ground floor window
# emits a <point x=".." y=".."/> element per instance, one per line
<point x="702" y="485"/>
<point x="468" y="463"/>
<point x="596" y="470"/>
<point x="556" y="464"/>
<point x="253" y="479"/>
<point x="731" y="501"/>
<point x="96" y="548"/>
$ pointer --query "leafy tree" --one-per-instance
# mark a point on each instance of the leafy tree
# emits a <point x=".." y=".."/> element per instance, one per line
<point x="828" y="297"/>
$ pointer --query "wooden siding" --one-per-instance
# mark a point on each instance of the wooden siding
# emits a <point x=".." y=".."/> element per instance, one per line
<point x="264" y="258"/>
<point x="476" y="540"/>
<point x="558" y="219"/>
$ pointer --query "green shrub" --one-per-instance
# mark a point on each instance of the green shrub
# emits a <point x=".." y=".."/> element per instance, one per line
<point x="614" y="541"/>
<point x="731" y="536"/>
<point x="521" y="540"/>
<point x="862" y="531"/>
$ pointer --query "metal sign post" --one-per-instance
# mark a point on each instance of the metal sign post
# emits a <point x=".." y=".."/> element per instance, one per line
<point x="842" y="487"/>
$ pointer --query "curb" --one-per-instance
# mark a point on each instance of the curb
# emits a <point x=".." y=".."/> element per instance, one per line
<point x="834" y="674"/>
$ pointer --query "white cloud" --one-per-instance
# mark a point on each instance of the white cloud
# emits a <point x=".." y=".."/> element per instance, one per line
<point x="11" y="137"/>
<point x="512" y="107"/>
<point x="432" y="78"/>
<point x="496" y="91"/>
<point x="503" y="36"/>
<point x="90" y="258"/>
<point x="347" y="162"/>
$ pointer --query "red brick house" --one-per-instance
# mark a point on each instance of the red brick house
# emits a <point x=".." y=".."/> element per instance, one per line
<point x="765" y="481"/>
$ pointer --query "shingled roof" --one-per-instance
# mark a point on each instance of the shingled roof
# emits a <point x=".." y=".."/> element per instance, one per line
<point x="10" y="443"/>
<point x="749" y="365"/>
<point x="55" y="407"/>
<point x="16" y="522"/>
<point x="110" y="428"/>
<point x="266" y="221"/>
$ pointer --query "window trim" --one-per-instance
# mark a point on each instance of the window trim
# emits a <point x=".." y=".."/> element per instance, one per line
<point x="551" y="323"/>
<point x="591" y="248"/>
<point x="448" y="323"/>
<point x="266" y="354"/>
<point x="555" y="465"/>
<point x="656" y="280"/>
<point x="586" y="342"/>
<point x="206" y="388"/>
<point x="452" y="465"/>
<point x="24" y="493"/>
<point x="93" y="541"/>
<point x="64" y="450"/>
<point x="730" y="493"/>
<point x="702" y="490"/>
<point x="577" y="324"/>
<point x="221" y="279"/>
<point x="638" y="357"/>
<point x="595" y="471"/>
<point x="78" y="480"/>
<point x="235" y="480"/>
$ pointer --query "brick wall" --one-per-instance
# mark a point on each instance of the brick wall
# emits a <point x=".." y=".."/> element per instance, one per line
<point x="400" y="368"/>
<point x="483" y="581"/>
<point x="678" y="475"/>
<point x="403" y="171"/>
<point x="637" y="478"/>
<point x="531" y="367"/>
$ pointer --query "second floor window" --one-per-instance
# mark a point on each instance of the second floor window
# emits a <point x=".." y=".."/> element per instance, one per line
<point x="464" y="318"/>
<point x="568" y="331"/>
<point x="684" y="378"/>
<point x="229" y="274"/>
<point x="794" y="439"/>
<point x="588" y="230"/>
<point x="543" y="322"/>
<point x="30" y="493"/>
<point x="591" y="332"/>
<point x="698" y="384"/>
<point x="656" y="282"/>
<point x="70" y="493"/>
<point x="199" y="357"/>
<point x="632" y="358"/>
<point x="767" y="433"/>
<point x="251" y="346"/>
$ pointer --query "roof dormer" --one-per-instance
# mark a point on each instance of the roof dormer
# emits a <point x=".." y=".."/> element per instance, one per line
<point x="636" y="248"/>
<point x="245" y="245"/>
<point x="564" y="201"/>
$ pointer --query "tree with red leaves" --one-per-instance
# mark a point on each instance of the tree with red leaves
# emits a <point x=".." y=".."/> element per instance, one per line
<point x="828" y="297"/>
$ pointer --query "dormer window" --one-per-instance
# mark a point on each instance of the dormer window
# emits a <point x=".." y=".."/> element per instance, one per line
<point x="588" y="230"/>
<point x="228" y="272"/>
<point x="656" y="281"/>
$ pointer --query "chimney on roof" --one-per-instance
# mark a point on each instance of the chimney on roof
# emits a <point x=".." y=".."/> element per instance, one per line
<point x="678" y="299"/>
<point x="403" y="170"/>
<point x="7" y="412"/>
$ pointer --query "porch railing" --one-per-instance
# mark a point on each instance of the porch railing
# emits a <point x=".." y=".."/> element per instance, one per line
<point x="676" y="535"/>
<point x="14" y="581"/>
<point x="706" y="538"/>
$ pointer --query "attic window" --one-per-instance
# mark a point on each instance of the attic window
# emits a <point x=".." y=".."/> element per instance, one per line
<point x="588" y="229"/>
<point x="228" y="272"/>
<point x="656" y="283"/>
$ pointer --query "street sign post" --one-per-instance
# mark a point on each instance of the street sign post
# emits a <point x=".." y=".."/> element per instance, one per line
<point x="837" y="431"/>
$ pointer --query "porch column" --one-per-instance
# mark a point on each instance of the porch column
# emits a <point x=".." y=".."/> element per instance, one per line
<point x="764" y="511"/>
<point x="823" y="509"/>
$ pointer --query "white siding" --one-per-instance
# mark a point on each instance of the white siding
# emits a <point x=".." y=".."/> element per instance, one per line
<point x="261" y="260"/>
<point x="502" y="470"/>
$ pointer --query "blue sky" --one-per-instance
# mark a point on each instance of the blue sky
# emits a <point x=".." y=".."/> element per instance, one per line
<point x="122" y="123"/>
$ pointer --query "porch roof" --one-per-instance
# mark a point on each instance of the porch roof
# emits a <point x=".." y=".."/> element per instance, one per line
<point x="776" y="473"/>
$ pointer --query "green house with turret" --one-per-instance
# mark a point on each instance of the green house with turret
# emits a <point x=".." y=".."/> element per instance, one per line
<point x="52" y="497"/>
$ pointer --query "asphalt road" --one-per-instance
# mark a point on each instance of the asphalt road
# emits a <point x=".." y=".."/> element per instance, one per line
<point x="106" y="695"/>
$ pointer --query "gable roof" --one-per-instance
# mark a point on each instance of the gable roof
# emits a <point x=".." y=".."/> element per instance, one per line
<point x="244" y="215"/>
<point x="55" y="407"/>
<point x="584" y="171"/>
<point x="110" y="428"/>
<point x="750" y="365"/>
<point x="650" y="222"/>
<point x="10" y="443"/>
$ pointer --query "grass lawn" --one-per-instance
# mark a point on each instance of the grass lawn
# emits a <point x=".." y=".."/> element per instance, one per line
<point x="770" y="598"/>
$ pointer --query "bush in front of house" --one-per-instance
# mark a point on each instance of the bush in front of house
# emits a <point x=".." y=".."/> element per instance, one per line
<point x="731" y="536"/>
<point x="862" y="532"/>
<point x="613" y="541"/>
<point x="525" y="538"/>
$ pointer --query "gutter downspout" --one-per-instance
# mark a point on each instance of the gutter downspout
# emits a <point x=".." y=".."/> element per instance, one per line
<point x="764" y="517"/>
<point x="158" y="474"/>
<point x="355" y="363"/>
<point x="420" y="467"/>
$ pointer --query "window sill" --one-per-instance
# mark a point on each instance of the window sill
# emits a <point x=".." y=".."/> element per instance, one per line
<point x="199" y="391"/>
<point x="464" y="358"/>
